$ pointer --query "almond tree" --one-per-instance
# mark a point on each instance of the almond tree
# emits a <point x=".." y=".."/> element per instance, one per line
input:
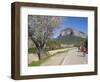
<point x="40" y="29"/>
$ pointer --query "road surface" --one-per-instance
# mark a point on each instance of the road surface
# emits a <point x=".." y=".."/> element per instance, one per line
<point x="71" y="57"/>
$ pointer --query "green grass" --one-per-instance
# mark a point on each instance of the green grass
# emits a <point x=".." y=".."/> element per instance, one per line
<point x="38" y="63"/>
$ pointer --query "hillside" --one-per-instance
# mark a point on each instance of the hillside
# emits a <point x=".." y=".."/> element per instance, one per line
<point x="69" y="32"/>
<point x="70" y="36"/>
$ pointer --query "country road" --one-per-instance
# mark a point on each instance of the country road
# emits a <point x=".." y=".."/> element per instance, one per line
<point x="71" y="57"/>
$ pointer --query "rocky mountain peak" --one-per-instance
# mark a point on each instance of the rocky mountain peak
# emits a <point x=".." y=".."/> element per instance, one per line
<point x="69" y="31"/>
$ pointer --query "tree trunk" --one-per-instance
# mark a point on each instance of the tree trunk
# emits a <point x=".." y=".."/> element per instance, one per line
<point x="38" y="53"/>
<point x="41" y="53"/>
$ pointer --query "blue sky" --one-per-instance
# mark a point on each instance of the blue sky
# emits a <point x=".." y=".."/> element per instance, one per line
<point x="76" y="23"/>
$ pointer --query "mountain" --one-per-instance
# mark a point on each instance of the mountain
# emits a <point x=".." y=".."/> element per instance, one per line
<point x="71" y="32"/>
<point x="71" y="36"/>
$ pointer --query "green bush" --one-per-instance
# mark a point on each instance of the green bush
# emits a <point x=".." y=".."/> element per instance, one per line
<point x="52" y="45"/>
<point x="31" y="50"/>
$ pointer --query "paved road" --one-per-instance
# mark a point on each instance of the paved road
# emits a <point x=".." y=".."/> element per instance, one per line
<point x="71" y="57"/>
